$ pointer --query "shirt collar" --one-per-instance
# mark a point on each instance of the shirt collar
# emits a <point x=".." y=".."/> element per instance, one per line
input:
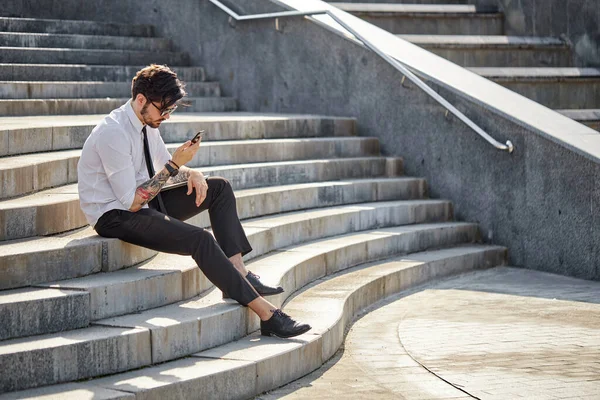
<point x="135" y="121"/>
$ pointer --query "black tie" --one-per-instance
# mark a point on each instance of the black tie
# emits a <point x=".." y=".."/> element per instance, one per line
<point x="150" y="166"/>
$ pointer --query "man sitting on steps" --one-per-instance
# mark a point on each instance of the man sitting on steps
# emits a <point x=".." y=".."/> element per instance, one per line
<point x="120" y="195"/>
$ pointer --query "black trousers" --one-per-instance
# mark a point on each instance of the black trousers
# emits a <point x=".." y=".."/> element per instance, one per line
<point x="169" y="234"/>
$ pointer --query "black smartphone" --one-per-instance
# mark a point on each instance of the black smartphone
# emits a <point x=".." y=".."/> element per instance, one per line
<point x="198" y="136"/>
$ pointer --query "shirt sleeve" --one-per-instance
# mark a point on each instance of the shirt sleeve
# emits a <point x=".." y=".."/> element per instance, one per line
<point x="114" y="151"/>
<point x="162" y="154"/>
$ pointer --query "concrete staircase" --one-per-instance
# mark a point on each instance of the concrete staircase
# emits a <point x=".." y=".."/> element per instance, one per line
<point x="540" y="68"/>
<point x="89" y="317"/>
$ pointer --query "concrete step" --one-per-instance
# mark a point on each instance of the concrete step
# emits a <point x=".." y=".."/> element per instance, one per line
<point x="430" y="19"/>
<point x="255" y="364"/>
<point x="83" y="72"/>
<point x="26" y="312"/>
<point x="81" y="90"/>
<point x="72" y="355"/>
<point x="38" y="55"/>
<point x="30" y="173"/>
<point x="33" y="172"/>
<point x="102" y="106"/>
<point x="590" y="117"/>
<point x="57" y="210"/>
<point x="21" y="135"/>
<point x="206" y="321"/>
<point x="59" y="26"/>
<point x="496" y="51"/>
<point x="558" y="88"/>
<point x="45" y="40"/>
<point x="171" y="278"/>
<point x="82" y="252"/>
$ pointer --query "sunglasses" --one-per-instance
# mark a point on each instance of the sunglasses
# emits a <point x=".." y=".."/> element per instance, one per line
<point x="167" y="111"/>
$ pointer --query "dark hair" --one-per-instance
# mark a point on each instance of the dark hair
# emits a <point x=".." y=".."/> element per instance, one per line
<point x="159" y="84"/>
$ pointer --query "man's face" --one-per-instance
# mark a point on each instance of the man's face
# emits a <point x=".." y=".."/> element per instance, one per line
<point x="151" y="114"/>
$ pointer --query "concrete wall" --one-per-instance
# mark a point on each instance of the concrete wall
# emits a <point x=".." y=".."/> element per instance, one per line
<point x="541" y="202"/>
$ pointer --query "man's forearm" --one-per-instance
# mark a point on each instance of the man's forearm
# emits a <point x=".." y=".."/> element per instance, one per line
<point x="182" y="176"/>
<point x="149" y="189"/>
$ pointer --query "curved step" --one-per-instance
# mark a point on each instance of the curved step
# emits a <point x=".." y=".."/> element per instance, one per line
<point x="210" y="310"/>
<point x="33" y="55"/>
<point x="255" y="364"/>
<point x="496" y="51"/>
<point x="34" y="172"/>
<point x="82" y="252"/>
<point x="98" y="106"/>
<point x="204" y="322"/>
<point x="80" y="90"/>
<point x="155" y="283"/>
<point x="83" y="72"/>
<point x="38" y="25"/>
<point x="22" y="135"/>
<point x="72" y="41"/>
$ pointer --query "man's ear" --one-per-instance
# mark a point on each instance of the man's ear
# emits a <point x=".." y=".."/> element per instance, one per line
<point x="140" y="100"/>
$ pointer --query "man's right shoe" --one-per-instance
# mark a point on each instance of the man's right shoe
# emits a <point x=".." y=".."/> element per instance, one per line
<point x="282" y="325"/>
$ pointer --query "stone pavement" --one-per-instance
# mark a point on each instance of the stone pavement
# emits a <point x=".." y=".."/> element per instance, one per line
<point x="504" y="333"/>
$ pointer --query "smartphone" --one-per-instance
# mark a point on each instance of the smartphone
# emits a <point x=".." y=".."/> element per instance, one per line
<point x="198" y="136"/>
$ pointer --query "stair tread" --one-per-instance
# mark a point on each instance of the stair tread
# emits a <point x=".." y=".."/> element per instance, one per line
<point x="87" y="235"/>
<point x="483" y="40"/>
<point x="524" y="72"/>
<point x="23" y="122"/>
<point x="406" y="8"/>
<point x="582" y="115"/>
<point x="270" y="267"/>
<point x="25" y="295"/>
<point x="24" y="160"/>
<point x="252" y="349"/>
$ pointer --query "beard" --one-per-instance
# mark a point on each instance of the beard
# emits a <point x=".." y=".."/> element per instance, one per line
<point x="152" y="123"/>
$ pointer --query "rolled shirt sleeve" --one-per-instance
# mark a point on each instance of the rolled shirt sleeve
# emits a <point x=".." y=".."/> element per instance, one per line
<point x="160" y="155"/>
<point x="117" y="162"/>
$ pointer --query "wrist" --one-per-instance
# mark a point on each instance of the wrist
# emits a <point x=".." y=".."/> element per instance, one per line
<point x="174" y="164"/>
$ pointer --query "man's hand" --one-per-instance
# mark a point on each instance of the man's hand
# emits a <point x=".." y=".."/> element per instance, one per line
<point x="185" y="153"/>
<point x="197" y="181"/>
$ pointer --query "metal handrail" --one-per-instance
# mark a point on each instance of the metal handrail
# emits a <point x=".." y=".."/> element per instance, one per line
<point x="395" y="63"/>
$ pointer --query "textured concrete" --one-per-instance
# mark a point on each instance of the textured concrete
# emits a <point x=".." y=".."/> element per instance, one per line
<point x="73" y="391"/>
<point x="204" y="322"/>
<point x="26" y="312"/>
<point x="496" y="51"/>
<point x="270" y="233"/>
<point x="560" y="88"/>
<point x="40" y="25"/>
<point x="62" y="72"/>
<point x="70" y="132"/>
<point x="30" y="55"/>
<point x="578" y="20"/>
<point x="69" y="255"/>
<point x="19" y="39"/>
<point x="79" y="89"/>
<point x="17" y="107"/>
<point x="73" y="355"/>
<point x="57" y="210"/>
<point x="159" y="282"/>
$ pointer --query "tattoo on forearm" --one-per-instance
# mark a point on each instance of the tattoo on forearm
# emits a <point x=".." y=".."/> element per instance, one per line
<point x="149" y="189"/>
<point x="182" y="176"/>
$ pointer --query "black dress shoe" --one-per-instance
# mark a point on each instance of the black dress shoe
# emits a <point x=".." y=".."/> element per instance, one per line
<point x="261" y="288"/>
<point x="282" y="325"/>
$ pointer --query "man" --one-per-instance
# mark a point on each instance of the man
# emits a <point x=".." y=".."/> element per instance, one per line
<point x="116" y="185"/>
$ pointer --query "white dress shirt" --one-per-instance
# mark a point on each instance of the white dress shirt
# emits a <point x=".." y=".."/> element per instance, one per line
<point x="112" y="163"/>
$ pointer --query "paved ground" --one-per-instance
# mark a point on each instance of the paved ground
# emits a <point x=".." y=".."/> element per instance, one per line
<point x="499" y="334"/>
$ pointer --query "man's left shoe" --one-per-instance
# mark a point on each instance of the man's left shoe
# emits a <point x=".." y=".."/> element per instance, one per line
<point x="282" y="325"/>
<point x="262" y="289"/>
